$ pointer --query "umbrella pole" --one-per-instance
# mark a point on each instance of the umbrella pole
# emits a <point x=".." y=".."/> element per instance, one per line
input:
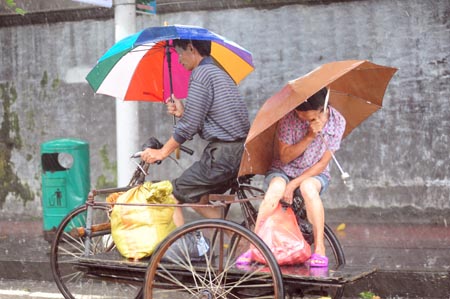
<point x="169" y="66"/>
<point x="344" y="175"/>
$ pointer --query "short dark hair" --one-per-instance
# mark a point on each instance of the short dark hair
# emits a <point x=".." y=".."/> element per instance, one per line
<point x="203" y="46"/>
<point x="314" y="102"/>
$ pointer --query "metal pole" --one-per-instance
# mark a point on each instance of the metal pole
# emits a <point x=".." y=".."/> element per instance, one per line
<point x="169" y="67"/>
<point x="344" y="175"/>
<point x="127" y="121"/>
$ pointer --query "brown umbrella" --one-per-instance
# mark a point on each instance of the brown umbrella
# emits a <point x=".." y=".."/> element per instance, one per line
<point x="356" y="89"/>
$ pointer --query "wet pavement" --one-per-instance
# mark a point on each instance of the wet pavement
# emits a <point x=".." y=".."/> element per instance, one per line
<point x="412" y="261"/>
<point x="412" y="255"/>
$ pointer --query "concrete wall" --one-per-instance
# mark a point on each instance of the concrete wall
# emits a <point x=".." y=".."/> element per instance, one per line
<point x="397" y="158"/>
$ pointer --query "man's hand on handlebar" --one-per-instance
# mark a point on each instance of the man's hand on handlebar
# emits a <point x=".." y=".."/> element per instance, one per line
<point x="154" y="152"/>
<point x="151" y="155"/>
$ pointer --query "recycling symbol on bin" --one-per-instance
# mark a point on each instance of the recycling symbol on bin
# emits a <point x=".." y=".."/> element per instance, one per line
<point x="55" y="199"/>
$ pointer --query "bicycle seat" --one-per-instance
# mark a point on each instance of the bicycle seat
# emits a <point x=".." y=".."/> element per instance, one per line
<point x="235" y="182"/>
<point x="245" y="179"/>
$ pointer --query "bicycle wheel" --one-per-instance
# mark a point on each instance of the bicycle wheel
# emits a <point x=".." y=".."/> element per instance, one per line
<point x="76" y="279"/>
<point x="332" y="245"/>
<point x="336" y="259"/>
<point x="177" y="270"/>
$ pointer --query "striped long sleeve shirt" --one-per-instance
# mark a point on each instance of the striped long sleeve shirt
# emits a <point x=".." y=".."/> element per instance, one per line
<point x="213" y="108"/>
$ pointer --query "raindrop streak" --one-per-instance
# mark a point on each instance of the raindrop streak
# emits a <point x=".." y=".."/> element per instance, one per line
<point x="248" y="157"/>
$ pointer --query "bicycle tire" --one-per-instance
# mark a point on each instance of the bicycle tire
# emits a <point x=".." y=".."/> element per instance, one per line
<point x="174" y="272"/>
<point x="335" y="246"/>
<point x="77" y="281"/>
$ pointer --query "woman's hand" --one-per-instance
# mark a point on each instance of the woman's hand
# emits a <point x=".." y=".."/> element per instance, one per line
<point x="174" y="106"/>
<point x="317" y="124"/>
<point x="289" y="192"/>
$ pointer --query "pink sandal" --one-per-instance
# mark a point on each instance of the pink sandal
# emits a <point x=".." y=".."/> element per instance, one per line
<point x="318" y="260"/>
<point x="245" y="259"/>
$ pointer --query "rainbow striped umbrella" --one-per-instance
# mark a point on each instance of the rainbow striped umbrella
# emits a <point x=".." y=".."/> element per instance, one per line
<point x="145" y="67"/>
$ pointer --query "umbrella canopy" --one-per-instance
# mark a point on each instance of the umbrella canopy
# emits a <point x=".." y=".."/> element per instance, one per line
<point x="140" y="67"/>
<point x="356" y="87"/>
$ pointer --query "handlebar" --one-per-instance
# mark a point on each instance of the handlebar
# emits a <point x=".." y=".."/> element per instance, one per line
<point x="154" y="143"/>
<point x="186" y="150"/>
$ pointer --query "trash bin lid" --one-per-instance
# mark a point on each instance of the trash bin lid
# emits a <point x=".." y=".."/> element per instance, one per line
<point x="63" y="144"/>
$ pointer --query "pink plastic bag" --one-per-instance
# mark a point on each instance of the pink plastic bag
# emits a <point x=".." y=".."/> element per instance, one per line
<point x="283" y="236"/>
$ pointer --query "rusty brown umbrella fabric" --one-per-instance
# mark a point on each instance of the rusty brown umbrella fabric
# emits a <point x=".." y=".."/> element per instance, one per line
<point x="356" y="87"/>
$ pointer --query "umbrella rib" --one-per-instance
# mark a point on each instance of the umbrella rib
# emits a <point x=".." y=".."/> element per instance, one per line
<point x="140" y="50"/>
<point x="355" y="97"/>
<point x="143" y="48"/>
<point x="371" y="68"/>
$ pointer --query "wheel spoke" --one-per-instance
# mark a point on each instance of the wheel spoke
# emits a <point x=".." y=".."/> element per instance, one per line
<point x="77" y="280"/>
<point x="184" y="275"/>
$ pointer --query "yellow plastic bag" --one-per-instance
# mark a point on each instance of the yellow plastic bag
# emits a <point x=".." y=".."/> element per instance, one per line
<point x="137" y="230"/>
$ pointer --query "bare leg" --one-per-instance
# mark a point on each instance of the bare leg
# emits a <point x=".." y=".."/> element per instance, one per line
<point x="270" y="202"/>
<point x="208" y="212"/>
<point x="178" y="217"/>
<point x="272" y="197"/>
<point x="314" y="208"/>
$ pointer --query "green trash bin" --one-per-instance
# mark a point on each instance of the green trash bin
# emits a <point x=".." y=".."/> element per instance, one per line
<point x="65" y="180"/>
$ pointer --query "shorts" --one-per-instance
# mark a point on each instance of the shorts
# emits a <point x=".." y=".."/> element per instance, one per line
<point x="272" y="173"/>
<point x="218" y="165"/>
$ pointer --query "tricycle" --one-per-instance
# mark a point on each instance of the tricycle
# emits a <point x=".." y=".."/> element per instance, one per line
<point x="86" y="263"/>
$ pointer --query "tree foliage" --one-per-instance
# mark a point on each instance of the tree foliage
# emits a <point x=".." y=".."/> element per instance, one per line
<point x="11" y="5"/>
